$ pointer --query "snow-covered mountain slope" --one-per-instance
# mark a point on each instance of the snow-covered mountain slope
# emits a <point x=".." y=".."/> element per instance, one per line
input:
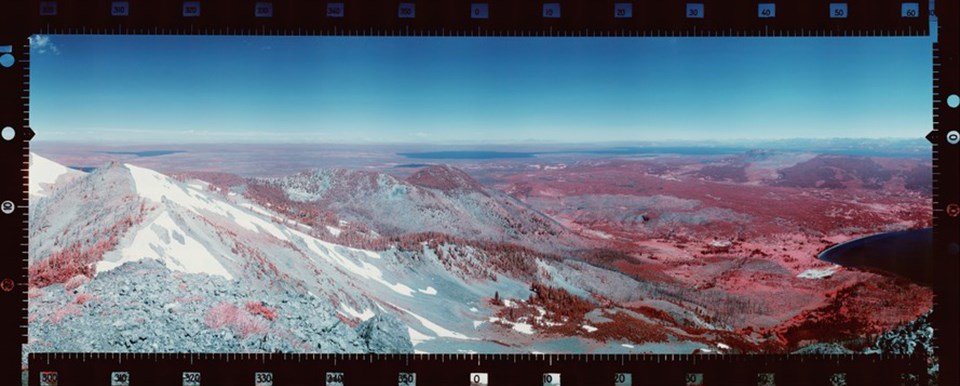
<point x="84" y="215"/>
<point x="44" y="173"/>
<point x="435" y="199"/>
<point x="86" y="235"/>
<point x="97" y="235"/>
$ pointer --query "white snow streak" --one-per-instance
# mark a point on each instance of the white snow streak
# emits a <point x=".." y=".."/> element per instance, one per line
<point x="334" y="231"/>
<point x="161" y="240"/>
<point x="364" y="269"/>
<point x="428" y="291"/>
<point x="366" y="314"/>
<point x="44" y="171"/>
<point x="418" y="337"/>
<point x="522" y="327"/>
<point x="155" y="187"/>
<point x="435" y="328"/>
<point x="815" y="273"/>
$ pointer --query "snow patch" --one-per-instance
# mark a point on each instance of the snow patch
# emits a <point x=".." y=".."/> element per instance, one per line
<point x="723" y="346"/>
<point x="596" y="233"/>
<point x="46" y="172"/>
<point x="524" y="328"/>
<point x="428" y="291"/>
<point x="334" y="231"/>
<point x="436" y="328"/>
<point x="330" y="252"/>
<point x="720" y="244"/>
<point x="366" y="314"/>
<point x="588" y="328"/>
<point x="418" y="337"/>
<point x="815" y="273"/>
<point x="156" y="241"/>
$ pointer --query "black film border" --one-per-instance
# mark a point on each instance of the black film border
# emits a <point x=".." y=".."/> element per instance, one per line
<point x="20" y="19"/>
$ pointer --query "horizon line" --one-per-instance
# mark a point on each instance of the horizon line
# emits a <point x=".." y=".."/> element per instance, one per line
<point x="704" y="142"/>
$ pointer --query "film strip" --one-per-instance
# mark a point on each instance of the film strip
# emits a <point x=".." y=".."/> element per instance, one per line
<point x="481" y="18"/>
<point x="521" y="369"/>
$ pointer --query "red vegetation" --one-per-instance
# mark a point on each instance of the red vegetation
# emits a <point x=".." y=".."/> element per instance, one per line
<point x="920" y="179"/>
<point x="347" y="320"/>
<point x="495" y="300"/>
<point x="560" y="304"/>
<point x="721" y="172"/>
<point x="562" y="312"/>
<point x="858" y="312"/>
<point x="625" y="327"/>
<point x="69" y="262"/>
<point x="565" y="314"/>
<point x="189" y="299"/>
<point x="258" y="308"/>
<point x="444" y="178"/>
<point x="237" y="319"/>
<point x="59" y="315"/>
<point x="625" y="263"/>
<point x="260" y="264"/>
<point x="654" y="313"/>
<point x="509" y="259"/>
<point x="75" y="282"/>
<point x="34" y="292"/>
<point x="768" y="203"/>
<point x="79" y="257"/>
<point x="836" y="172"/>
<point x="306" y="213"/>
<point x="83" y="298"/>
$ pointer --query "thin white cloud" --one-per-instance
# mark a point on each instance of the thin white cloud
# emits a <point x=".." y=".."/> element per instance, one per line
<point x="41" y="44"/>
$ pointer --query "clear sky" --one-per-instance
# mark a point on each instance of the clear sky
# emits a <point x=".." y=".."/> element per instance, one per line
<point x="163" y="89"/>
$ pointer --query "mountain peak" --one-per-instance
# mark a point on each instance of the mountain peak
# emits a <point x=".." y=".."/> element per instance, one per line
<point x="445" y="178"/>
<point x="44" y="173"/>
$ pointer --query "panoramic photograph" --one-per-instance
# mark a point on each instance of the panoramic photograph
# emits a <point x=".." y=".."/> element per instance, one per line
<point x="468" y="195"/>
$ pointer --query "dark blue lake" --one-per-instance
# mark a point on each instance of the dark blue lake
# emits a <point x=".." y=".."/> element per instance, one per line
<point x="471" y="154"/>
<point x="903" y="253"/>
<point x="145" y="153"/>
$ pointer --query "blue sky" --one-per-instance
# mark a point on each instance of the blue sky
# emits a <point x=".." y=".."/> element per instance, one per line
<point x="163" y="89"/>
